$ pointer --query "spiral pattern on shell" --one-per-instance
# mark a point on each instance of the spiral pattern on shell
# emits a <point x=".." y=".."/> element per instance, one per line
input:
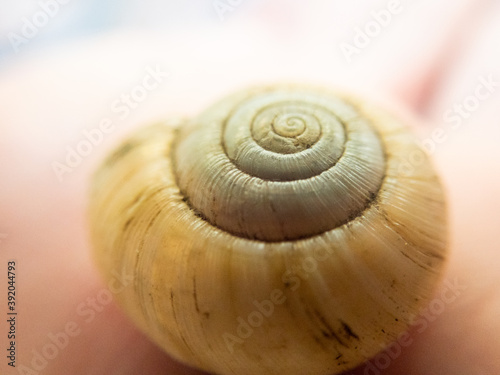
<point x="282" y="165"/>
<point x="281" y="231"/>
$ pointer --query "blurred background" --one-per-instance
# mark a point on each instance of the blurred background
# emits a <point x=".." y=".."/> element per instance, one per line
<point x="320" y="29"/>
<point x="76" y="19"/>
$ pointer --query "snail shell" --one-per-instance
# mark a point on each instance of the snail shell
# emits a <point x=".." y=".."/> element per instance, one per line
<point x="275" y="233"/>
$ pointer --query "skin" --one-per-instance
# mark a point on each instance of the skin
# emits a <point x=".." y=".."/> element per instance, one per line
<point x="48" y="99"/>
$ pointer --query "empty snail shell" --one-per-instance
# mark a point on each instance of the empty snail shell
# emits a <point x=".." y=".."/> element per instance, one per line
<point x="282" y="231"/>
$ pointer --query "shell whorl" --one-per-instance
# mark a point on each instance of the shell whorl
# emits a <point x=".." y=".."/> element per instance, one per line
<point x="280" y="165"/>
<point x="295" y="198"/>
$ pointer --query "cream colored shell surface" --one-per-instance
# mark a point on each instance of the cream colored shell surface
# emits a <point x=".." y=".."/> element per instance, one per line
<point x="285" y="230"/>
